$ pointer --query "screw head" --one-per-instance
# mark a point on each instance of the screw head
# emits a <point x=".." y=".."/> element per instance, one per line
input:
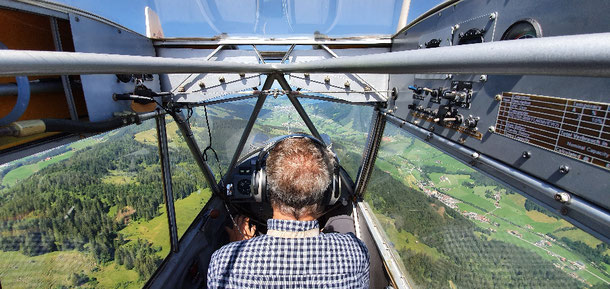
<point x="242" y="74"/>
<point x="562" y="197"/>
<point x="483" y="78"/>
<point x="327" y="79"/>
<point x="493" y="16"/>
<point x="306" y="75"/>
<point x="181" y="89"/>
<point x="492" y="129"/>
<point x="498" y="97"/>
<point x="346" y="84"/>
<point x="221" y="78"/>
<point x="564" y="169"/>
<point x="475" y="155"/>
<point x="526" y="155"/>
<point x="201" y="84"/>
<point x="394" y="92"/>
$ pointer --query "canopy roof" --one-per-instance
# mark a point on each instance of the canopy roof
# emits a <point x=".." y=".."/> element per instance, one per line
<point x="266" y="18"/>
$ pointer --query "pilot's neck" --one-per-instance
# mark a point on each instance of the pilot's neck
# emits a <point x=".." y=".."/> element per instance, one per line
<point x="278" y="215"/>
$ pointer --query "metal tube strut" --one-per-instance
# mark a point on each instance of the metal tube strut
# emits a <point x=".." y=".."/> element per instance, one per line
<point x="358" y="77"/>
<point x="168" y="195"/>
<point x="573" y="55"/>
<point x="370" y="152"/>
<point x="299" y="108"/>
<point x="64" y="78"/>
<point x="244" y="136"/>
<point x="580" y="212"/>
<point x="189" y="138"/>
<point x="28" y="62"/>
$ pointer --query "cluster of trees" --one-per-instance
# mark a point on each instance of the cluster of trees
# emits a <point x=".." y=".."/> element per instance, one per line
<point x="531" y="206"/>
<point x="597" y="254"/>
<point x="66" y="206"/>
<point x="140" y="256"/>
<point x="468" y="258"/>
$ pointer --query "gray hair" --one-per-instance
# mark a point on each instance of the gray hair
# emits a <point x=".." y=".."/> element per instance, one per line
<point x="298" y="173"/>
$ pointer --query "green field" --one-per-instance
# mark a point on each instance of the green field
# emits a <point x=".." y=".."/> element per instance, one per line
<point x="510" y="216"/>
<point x="404" y="240"/>
<point x="156" y="230"/>
<point x="44" y="271"/>
<point x="21" y="173"/>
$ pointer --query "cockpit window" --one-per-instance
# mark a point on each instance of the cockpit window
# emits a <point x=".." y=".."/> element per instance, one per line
<point x="453" y="227"/>
<point x="198" y="18"/>
<point x="346" y="126"/>
<point x="88" y="213"/>
<point x="277" y="118"/>
<point x="227" y="122"/>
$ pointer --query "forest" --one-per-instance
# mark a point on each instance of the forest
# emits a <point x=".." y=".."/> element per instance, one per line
<point x="66" y="206"/>
<point x="467" y="257"/>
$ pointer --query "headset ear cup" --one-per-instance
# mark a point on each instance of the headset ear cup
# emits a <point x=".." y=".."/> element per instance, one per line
<point x="256" y="186"/>
<point x="263" y="185"/>
<point x="335" y="192"/>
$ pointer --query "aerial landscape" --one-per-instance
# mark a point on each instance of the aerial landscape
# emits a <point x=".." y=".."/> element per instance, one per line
<point x="90" y="214"/>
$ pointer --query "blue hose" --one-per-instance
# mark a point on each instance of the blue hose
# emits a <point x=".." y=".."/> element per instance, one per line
<point x="23" y="98"/>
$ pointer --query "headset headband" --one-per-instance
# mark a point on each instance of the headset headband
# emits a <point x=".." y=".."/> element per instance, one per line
<point x="259" y="176"/>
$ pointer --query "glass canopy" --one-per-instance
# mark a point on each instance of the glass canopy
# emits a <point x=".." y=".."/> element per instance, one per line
<point x="266" y="18"/>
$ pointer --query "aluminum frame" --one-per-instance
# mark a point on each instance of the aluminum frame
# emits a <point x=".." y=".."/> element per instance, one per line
<point x="244" y="136"/>
<point x="345" y="41"/>
<point x="370" y="152"/>
<point x="574" y="55"/>
<point x="299" y="108"/>
<point x="64" y="78"/>
<point x="168" y="195"/>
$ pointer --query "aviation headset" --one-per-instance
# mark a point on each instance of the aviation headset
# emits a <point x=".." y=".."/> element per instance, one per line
<point x="259" y="188"/>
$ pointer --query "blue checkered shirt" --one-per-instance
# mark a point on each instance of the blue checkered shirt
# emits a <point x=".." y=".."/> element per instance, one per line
<point x="324" y="261"/>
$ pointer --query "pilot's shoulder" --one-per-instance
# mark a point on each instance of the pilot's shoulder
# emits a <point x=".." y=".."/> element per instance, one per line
<point x="229" y="250"/>
<point x="351" y="241"/>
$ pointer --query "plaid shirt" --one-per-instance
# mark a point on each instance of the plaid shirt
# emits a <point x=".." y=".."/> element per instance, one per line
<point x="324" y="261"/>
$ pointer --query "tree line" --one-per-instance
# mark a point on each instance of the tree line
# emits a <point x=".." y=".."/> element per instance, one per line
<point x="468" y="256"/>
<point x="65" y="206"/>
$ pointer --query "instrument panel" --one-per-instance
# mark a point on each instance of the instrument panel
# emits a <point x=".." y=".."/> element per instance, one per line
<point x="554" y="128"/>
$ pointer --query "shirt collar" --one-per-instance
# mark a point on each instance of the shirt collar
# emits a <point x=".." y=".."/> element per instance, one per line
<point x="291" y="225"/>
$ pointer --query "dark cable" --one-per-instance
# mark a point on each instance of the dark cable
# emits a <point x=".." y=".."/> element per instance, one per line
<point x="209" y="147"/>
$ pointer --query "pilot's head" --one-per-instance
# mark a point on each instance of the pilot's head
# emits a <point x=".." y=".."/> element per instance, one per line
<point x="299" y="172"/>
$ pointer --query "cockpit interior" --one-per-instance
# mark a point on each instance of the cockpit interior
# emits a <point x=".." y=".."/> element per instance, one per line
<point x="472" y="138"/>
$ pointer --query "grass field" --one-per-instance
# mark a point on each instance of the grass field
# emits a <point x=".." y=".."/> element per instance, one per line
<point x="117" y="276"/>
<point x="397" y="159"/>
<point x="88" y="142"/>
<point x="150" y="136"/>
<point x="403" y="240"/>
<point x="21" y="173"/>
<point x="45" y="271"/>
<point x="119" y="178"/>
<point x="156" y="230"/>
<point x="581" y="236"/>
